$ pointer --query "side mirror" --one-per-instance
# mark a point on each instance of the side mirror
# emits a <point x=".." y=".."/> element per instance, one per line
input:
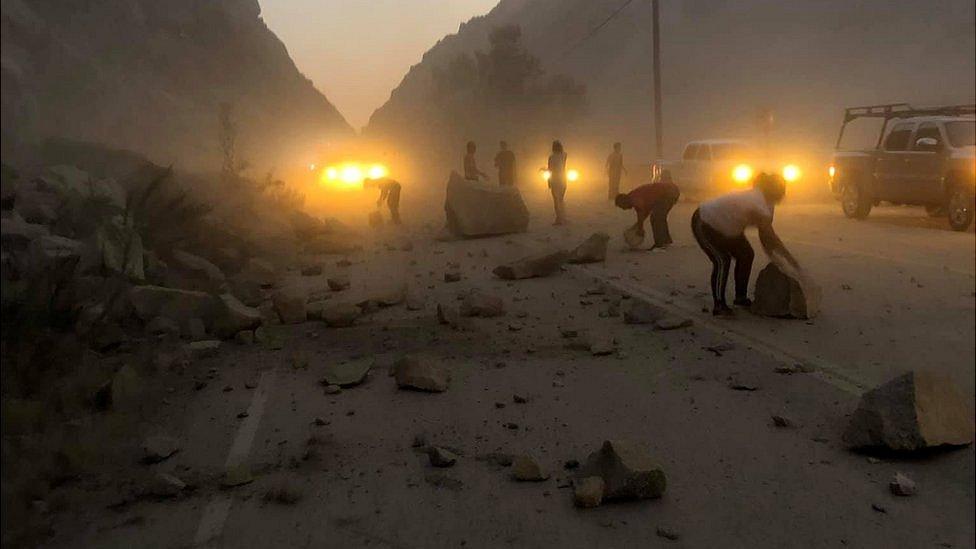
<point x="927" y="144"/>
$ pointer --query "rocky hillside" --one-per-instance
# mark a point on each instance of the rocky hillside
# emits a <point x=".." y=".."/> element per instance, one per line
<point x="152" y="76"/>
<point x="724" y="61"/>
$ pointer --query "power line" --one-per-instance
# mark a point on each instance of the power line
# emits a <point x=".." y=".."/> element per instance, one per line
<point x="596" y="29"/>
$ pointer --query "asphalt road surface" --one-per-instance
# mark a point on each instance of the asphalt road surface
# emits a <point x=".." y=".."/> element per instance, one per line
<point x="898" y="294"/>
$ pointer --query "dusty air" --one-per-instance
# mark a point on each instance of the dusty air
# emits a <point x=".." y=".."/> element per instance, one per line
<point x="488" y="274"/>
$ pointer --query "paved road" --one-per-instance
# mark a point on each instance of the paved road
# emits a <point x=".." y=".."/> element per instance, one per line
<point x="734" y="479"/>
<point x="899" y="288"/>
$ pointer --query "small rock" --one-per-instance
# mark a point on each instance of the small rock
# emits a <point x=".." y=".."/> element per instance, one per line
<point x="667" y="533"/>
<point x="901" y="485"/>
<point x="158" y="448"/>
<point x="203" y="349"/>
<point x="421" y="374"/>
<point x="673" y="323"/>
<point x="525" y="468"/>
<point x="588" y="492"/>
<point x="743" y="382"/>
<point x="440" y="457"/>
<point x="519" y="399"/>
<point x="783" y="421"/>
<point x="338" y="283"/>
<point x="312" y="269"/>
<point x="627" y="471"/>
<point x="332" y="389"/>
<point x="452" y="276"/>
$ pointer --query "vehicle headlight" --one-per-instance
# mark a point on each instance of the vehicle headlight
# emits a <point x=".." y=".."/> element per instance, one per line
<point x="546" y="174"/>
<point x="572" y="175"/>
<point x="791" y="173"/>
<point x="377" y="171"/>
<point x="831" y="171"/>
<point x="742" y="173"/>
<point x="331" y="173"/>
<point x="351" y="174"/>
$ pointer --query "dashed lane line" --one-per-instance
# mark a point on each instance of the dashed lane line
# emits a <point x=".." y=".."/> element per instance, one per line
<point x="215" y="514"/>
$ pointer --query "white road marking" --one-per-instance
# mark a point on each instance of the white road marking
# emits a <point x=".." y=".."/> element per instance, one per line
<point x="827" y="371"/>
<point x="215" y="514"/>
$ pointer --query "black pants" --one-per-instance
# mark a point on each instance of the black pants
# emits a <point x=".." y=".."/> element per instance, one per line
<point x="721" y="250"/>
<point x="659" y="221"/>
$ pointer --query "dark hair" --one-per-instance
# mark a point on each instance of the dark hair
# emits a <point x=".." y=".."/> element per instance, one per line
<point x="622" y="201"/>
<point x="557" y="147"/>
<point x="471" y="146"/>
<point x="503" y="144"/>
<point x="616" y="145"/>
<point x="771" y="185"/>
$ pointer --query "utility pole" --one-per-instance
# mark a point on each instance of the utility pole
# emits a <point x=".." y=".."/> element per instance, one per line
<point x="658" y="123"/>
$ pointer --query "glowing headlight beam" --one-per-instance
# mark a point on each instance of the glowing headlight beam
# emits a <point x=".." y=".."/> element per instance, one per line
<point x="791" y="173"/>
<point x="572" y="175"/>
<point x="377" y="171"/>
<point x="546" y="174"/>
<point x="742" y="173"/>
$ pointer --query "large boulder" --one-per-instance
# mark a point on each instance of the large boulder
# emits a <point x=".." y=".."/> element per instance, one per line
<point x="180" y="306"/>
<point x="916" y="410"/>
<point x="54" y="252"/>
<point x="532" y="266"/>
<point x="627" y="470"/>
<point x="17" y="233"/>
<point x="290" y="304"/>
<point x="592" y="250"/>
<point x="476" y="209"/>
<point x="779" y="294"/>
<point x="420" y="374"/>
<point x="193" y="272"/>
<point x="232" y="316"/>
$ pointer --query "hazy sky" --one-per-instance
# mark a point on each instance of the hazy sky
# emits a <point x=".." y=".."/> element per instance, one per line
<point x="357" y="51"/>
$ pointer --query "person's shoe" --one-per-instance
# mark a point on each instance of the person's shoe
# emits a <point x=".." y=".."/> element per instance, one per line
<point x="742" y="302"/>
<point x="723" y="310"/>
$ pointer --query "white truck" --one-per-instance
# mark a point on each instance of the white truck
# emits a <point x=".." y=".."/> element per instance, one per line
<point x="711" y="167"/>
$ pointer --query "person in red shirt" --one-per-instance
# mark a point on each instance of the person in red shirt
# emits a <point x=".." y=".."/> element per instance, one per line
<point x="653" y="200"/>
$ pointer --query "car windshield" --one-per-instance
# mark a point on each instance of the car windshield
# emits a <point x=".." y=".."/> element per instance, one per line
<point x="961" y="133"/>
<point x="728" y="151"/>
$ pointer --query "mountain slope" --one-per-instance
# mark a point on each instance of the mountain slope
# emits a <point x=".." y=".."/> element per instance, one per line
<point x="723" y="61"/>
<point x="152" y="76"/>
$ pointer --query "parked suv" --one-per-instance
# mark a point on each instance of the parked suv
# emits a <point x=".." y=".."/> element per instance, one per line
<point x="924" y="157"/>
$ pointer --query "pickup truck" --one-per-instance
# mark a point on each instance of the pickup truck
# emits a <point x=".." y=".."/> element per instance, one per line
<point x="711" y="167"/>
<point x="923" y="157"/>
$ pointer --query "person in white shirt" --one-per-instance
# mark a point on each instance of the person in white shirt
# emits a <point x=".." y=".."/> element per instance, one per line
<point x="557" y="181"/>
<point x="719" y="227"/>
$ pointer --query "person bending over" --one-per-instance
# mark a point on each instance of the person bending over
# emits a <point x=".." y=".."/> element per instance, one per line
<point x="389" y="192"/>
<point x="653" y="200"/>
<point x="719" y="227"/>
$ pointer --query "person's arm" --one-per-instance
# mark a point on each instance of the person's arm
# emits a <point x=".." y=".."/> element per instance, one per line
<point x="384" y="192"/>
<point x="772" y="243"/>
<point x="642" y="215"/>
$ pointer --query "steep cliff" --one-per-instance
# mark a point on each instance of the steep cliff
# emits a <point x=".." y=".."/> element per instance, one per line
<point x="152" y="77"/>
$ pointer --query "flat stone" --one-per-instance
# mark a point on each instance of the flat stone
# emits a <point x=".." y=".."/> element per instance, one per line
<point x="340" y="315"/>
<point x="290" y="304"/>
<point x="480" y="304"/>
<point x="539" y="265"/>
<point x="338" y="283"/>
<point x="203" y="349"/>
<point x="347" y="374"/>
<point x="642" y="312"/>
<point x="673" y="323"/>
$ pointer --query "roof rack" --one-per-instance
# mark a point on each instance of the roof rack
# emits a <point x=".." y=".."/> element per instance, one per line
<point x="904" y="110"/>
<point x="899" y="110"/>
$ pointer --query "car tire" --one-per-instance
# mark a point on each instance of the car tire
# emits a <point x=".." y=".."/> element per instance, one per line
<point x="959" y="207"/>
<point x="854" y="202"/>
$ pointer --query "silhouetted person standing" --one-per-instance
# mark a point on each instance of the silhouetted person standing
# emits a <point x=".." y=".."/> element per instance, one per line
<point x="505" y="162"/>
<point x="557" y="181"/>
<point x="471" y="171"/>
<point x="615" y="169"/>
